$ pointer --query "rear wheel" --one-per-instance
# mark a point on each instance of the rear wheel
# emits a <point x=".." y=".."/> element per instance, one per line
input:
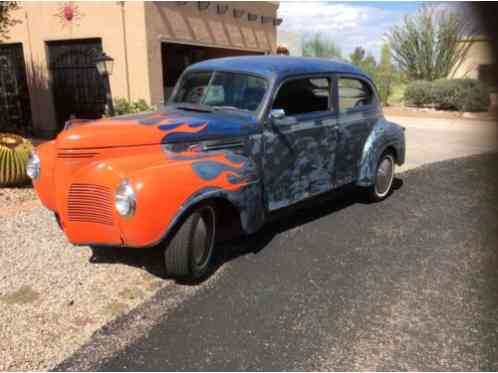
<point x="189" y="253"/>
<point x="384" y="177"/>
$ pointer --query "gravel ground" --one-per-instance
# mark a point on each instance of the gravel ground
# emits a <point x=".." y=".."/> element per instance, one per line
<point x="12" y="198"/>
<point x="53" y="297"/>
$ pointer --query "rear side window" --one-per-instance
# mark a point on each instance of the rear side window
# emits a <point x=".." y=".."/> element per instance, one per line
<point x="302" y="96"/>
<point x="354" y="94"/>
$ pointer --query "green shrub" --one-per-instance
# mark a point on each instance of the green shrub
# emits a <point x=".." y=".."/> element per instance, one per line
<point x="122" y="106"/>
<point x="449" y="94"/>
<point x="397" y="93"/>
<point x="418" y="93"/>
<point x="14" y="153"/>
<point x="473" y="96"/>
<point x="445" y="94"/>
<point x="460" y="94"/>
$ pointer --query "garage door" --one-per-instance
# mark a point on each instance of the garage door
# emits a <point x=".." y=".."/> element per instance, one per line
<point x="177" y="57"/>
<point x="77" y="87"/>
<point x="15" y="113"/>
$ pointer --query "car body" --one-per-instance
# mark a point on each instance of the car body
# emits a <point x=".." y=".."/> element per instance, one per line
<point x="300" y="127"/>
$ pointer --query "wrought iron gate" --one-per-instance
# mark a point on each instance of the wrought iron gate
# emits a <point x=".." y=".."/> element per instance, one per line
<point x="77" y="87"/>
<point x="15" y="113"/>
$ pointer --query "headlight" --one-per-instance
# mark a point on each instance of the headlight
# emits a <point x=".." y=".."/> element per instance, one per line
<point x="33" y="166"/>
<point x="124" y="199"/>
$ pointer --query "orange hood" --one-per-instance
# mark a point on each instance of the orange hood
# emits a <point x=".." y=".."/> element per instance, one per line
<point x="154" y="128"/>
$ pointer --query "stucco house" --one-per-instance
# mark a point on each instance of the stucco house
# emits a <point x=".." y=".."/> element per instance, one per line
<point x="47" y="63"/>
<point x="478" y="61"/>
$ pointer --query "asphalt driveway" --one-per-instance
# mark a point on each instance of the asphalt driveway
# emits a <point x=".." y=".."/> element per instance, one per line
<point x="407" y="284"/>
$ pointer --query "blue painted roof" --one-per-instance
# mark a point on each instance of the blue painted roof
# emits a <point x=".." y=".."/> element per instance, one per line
<point x="277" y="66"/>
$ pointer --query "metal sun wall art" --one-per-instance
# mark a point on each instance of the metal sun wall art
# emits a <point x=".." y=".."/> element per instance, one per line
<point x="69" y="14"/>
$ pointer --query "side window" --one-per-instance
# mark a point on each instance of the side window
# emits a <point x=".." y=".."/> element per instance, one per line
<point x="354" y="94"/>
<point x="301" y="96"/>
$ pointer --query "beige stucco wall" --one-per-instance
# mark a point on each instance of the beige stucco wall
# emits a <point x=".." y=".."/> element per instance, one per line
<point x="40" y="23"/>
<point x="168" y="21"/>
<point x="479" y="53"/>
<point x="132" y="33"/>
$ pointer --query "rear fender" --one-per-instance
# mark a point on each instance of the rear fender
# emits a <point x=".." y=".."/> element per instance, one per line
<point x="384" y="135"/>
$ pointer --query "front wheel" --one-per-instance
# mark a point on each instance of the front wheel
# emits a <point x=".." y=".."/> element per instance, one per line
<point x="384" y="177"/>
<point x="189" y="253"/>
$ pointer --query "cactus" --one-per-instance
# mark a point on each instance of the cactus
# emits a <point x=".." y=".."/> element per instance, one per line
<point x="14" y="154"/>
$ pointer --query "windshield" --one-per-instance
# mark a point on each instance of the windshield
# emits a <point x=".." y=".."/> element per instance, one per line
<point x="222" y="90"/>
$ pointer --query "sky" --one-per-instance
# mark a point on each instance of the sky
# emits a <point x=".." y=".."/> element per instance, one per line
<point x="348" y="24"/>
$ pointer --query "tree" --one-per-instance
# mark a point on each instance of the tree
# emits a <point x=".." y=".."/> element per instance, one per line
<point x="357" y="56"/>
<point x="385" y="74"/>
<point x="6" y="21"/>
<point x="367" y="64"/>
<point x="317" y="46"/>
<point x="381" y="74"/>
<point x="427" y="46"/>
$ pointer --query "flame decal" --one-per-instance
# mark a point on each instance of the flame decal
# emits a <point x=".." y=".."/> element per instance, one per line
<point x="225" y="168"/>
<point x="185" y="128"/>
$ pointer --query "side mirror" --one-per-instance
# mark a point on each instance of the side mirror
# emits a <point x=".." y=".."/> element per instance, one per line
<point x="277" y="114"/>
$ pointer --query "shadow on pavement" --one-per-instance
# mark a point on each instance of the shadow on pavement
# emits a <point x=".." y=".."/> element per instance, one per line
<point x="151" y="259"/>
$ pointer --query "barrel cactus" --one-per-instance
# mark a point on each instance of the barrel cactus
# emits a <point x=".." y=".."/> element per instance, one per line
<point x="14" y="154"/>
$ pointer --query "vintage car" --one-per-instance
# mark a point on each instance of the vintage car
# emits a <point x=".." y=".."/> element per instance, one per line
<point x="239" y="139"/>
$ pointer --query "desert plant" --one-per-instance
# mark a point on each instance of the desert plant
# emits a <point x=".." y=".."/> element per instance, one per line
<point x="122" y="106"/>
<point x="14" y="154"/>
<point x="418" y="93"/>
<point x="428" y="44"/>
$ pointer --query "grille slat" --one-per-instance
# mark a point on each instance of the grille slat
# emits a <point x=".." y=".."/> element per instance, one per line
<point x="89" y="198"/>
<point x="90" y="203"/>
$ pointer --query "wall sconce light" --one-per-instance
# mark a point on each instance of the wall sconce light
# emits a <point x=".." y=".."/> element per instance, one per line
<point x="105" y="65"/>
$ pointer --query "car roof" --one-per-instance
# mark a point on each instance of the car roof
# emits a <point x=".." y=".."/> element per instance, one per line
<point x="278" y="66"/>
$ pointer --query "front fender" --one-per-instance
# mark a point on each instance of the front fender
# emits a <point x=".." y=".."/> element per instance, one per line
<point x="384" y="134"/>
<point x="247" y="200"/>
<point x="165" y="192"/>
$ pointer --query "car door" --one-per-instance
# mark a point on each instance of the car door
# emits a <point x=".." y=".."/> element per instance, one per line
<point x="358" y="111"/>
<point x="298" y="159"/>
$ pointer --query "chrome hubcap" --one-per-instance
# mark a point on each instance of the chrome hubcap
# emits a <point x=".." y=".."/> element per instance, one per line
<point x="385" y="175"/>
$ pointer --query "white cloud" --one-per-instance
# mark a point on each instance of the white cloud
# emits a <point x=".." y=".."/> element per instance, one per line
<point x="349" y="25"/>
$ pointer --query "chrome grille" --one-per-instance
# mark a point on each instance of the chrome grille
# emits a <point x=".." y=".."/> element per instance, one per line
<point x="90" y="203"/>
